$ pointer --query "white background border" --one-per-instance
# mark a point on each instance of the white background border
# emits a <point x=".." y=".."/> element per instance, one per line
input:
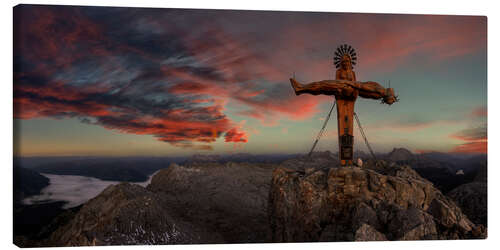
<point x="471" y="7"/>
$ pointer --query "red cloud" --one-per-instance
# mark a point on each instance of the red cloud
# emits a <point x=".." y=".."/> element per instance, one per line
<point x="383" y="42"/>
<point x="233" y="135"/>
<point x="399" y="38"/>
<point x="472" y="147"/>
<point x="242" y="69"/>
<point x="480" y="112"/>
<point x="177" y="126"/>
<point x="476" y="140"/>
<point x="296" y="108"/>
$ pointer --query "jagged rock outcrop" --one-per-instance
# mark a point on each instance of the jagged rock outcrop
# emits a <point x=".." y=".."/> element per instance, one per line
<point x="439" y="168"/>
<point x="125" y="214"/>
<point x="379" y="202"/>
<point x="472" y="197"/>
<point x="228" y="199"/>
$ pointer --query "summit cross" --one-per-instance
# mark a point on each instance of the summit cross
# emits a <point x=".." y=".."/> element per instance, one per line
<point x="346" y="90"/>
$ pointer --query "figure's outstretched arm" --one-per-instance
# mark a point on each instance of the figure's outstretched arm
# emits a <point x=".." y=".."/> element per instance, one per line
<point x="374" y="90"/>
<point x="370" y="90"/>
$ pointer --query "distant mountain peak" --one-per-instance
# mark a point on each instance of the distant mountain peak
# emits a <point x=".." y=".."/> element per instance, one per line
<point x="400" y="154"/>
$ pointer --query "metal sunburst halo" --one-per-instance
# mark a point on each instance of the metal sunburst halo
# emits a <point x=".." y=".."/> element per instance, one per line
<point x="342" y="50"/>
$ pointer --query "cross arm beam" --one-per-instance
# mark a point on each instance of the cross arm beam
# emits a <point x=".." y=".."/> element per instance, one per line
<point x="372" y="90"/>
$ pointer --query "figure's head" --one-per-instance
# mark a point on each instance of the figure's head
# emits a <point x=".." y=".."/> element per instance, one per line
<point x="390" y="97"/>
<point x="345" y="62"/>
<point x="345" y="57"/>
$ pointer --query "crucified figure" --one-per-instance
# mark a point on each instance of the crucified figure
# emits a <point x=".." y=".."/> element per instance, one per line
<point x="346" y="89"/>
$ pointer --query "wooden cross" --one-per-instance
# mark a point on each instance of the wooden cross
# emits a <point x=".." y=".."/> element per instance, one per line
<point x="346" y="89"/>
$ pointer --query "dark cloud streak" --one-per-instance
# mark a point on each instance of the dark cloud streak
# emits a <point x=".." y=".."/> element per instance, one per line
<point x="57" y="46"/>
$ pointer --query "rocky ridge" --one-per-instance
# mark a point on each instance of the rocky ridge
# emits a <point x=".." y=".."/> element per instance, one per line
<point x="196" y="203"/>
<point x="125" y="214"/>
<point x="380" y="202"/>
<point x="400" y="154"/>
<point x="473" y="197"/>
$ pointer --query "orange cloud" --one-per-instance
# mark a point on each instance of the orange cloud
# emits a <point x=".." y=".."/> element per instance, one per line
<point x="480" y="112"/>
<point x="234" y="135"/>
<point x="472" y="147"/>
<point x="476" y="140"/>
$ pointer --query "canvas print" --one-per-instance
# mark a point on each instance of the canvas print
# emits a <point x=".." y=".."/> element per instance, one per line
<point x="154" y="126"/>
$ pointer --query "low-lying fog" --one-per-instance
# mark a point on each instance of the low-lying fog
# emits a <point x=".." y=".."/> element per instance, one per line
<point x="74" y="189"/>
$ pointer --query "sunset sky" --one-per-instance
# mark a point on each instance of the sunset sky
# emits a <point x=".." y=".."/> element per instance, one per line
<point x="132" y="81"/>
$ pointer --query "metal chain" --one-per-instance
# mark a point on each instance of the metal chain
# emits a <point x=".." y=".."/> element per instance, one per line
<point x="322" y="130"/>
<point x="318" y="137"/>
<point x="364" y="136"/>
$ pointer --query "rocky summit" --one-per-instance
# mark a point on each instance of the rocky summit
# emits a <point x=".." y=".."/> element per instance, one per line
<point x="300" y="200"/>
<point x="379" y="202"/>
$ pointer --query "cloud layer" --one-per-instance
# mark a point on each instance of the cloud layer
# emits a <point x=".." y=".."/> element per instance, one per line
<point x="73" y="189"/>
<point x="174" y="74"/>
